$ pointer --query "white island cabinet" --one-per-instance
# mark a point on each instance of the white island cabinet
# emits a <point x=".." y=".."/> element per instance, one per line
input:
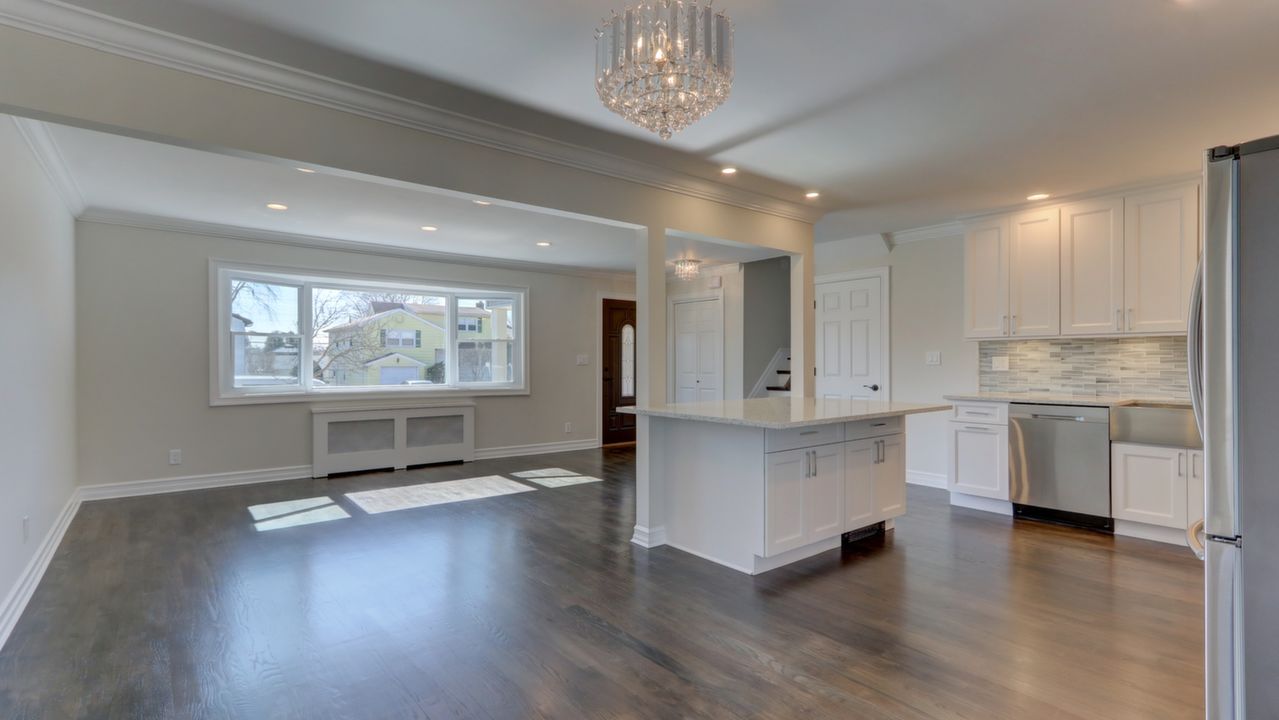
<point x="757" y="484"/>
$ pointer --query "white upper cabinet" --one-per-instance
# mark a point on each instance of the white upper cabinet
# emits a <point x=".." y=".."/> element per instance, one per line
<point x="986" y="279"/>
<point x="1034" y="274"/>
<point x="1092" y="267"/>
<point x="1108" y="266"/>
<point x="1161" y="249"/>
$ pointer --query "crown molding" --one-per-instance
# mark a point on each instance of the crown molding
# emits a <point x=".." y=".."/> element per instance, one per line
<point x="73" y="24"/>
<point x="234" y="232"/>
<point x="930" y="232"/>
<point x="46" y="152"/>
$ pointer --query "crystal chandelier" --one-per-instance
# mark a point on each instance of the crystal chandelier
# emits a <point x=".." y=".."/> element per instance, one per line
<point x="666" y="64"/>
<point x="688" y="269"/>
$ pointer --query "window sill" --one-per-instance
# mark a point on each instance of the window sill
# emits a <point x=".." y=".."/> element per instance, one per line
<point x="337" y="396"/>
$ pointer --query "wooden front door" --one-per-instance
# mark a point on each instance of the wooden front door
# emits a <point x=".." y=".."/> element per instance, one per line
<point x="618" y="370"/>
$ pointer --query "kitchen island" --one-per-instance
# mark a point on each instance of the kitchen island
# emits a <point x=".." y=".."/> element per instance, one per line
<point x="760" y="483"/>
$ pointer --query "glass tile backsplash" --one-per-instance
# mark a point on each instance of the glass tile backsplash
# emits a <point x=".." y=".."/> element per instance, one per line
<point x="1145" y="367"/>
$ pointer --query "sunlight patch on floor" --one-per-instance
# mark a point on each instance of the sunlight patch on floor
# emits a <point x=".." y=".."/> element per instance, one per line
<point x="439" y="493"/>
<point x="292" y="513"/>
<point x="555" y="477"/>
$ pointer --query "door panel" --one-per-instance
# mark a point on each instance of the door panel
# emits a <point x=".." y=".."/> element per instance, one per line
<point x="890" y="478"/>
<point x="1148" y="484"/>
<point x="698" y="355"/>
<point x="617" y="370"/>
<point x="979" y="460"/>
<point x="1161" y="250"/>
<point x="850" y="339"/>
<point x="1035" y="274"/>
<point x="859" y="483"/>
<point x="986" y="280"/>
<point x="784" y="509"/>
<point x="1092" y="267"/>
<point x="824" y="493"/>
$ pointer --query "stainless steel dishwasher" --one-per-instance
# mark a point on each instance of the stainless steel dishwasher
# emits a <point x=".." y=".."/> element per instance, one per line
<point x="1060" y="464"/>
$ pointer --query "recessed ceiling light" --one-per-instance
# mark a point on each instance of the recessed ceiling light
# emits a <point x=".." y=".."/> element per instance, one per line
<point x="308" y="171"/>
<point x="1038" y="196"/>
<point x="485" y="203"/>
<point x="812" y="195"/>
<point x="429" y="228"/>
<point x="276" y="206"/>
<point x="729" y="171"/>
<point x="543" y="243"/>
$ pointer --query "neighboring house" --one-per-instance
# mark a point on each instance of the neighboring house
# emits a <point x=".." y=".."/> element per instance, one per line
<point x="406" y="342"/>
<point x="239" y="353"/>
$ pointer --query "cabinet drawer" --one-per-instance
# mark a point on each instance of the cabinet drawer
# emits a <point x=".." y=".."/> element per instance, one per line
<point x="802" y="437"/>
<point x="872" y="428"/>
<point x="983" y="413"/>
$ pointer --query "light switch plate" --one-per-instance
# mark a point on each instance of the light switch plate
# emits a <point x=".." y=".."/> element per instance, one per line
<point x="717" y="282"/>
<point x="932" y="357"/>
<point x="999" y="363"/>
<point x="583" y="359"/>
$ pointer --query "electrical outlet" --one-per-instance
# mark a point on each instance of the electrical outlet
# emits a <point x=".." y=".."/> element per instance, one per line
<point x="26" y="527"/>
<point x="932" y="357"/>
<point x="175" y="457"/>
<point x="999" y="363"/>
<point x="568" y="428"/>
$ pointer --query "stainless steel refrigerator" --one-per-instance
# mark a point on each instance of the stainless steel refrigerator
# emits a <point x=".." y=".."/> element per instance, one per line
<point x="1234" y="376"/>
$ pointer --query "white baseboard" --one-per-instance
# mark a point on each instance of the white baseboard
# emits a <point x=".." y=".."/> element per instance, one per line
<point x="537" y="449"/>
<point x="16" y="601"/>
<point x="649" y="537"/>
<point x="135" y="488"/>
<point x="972" y="502"/>
<point x="927" y="479"/>
<point x="1158" y="533"/>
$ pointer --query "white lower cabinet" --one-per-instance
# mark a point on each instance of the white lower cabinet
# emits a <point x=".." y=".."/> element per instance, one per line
<point x="1152" y="484"/>
<point x="978" y="459"/>
<point x="813" y="494"/>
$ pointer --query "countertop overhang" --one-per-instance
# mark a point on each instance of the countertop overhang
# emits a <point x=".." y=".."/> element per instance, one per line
<point x="782" y="413"/>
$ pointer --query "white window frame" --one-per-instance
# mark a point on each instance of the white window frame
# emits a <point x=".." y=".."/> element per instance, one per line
<point x="222" y="390"/>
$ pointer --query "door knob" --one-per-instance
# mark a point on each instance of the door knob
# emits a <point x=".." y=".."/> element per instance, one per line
<point x="872" y="388"/>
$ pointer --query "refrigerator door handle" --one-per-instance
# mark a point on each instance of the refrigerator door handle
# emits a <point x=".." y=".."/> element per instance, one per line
<point x="1194" y="346"/>
<point x="1217" y="361"/>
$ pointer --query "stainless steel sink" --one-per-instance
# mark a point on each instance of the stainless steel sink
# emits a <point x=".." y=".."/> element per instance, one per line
<point x="1155" y="423"/>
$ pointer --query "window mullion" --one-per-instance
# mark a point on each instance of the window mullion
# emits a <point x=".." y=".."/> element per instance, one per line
<point x="451" y="353"/>
<point x="306" y="319"/>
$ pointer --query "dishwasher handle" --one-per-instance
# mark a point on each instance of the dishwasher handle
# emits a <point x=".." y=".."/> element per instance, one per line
<point x="1067" y="418"/>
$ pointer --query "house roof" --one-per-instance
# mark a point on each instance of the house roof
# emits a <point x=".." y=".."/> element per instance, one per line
<point x="419" y="311"/>
<point x="401" y="356"/>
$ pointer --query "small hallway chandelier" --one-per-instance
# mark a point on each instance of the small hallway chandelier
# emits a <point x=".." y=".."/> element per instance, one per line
<point x="666" y="64"/>
<point x="688" y="269"/>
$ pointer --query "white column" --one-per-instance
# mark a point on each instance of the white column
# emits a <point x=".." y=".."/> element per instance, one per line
<point x="650" y="374"/>
<point x="802" y="321"/>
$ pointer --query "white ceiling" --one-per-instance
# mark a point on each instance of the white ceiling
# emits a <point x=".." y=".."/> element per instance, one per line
<point x="904" y="113"/>
<point x="118" y="174"/>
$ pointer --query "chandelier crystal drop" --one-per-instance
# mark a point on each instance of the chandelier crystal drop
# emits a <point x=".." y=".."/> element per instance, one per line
<point x="666" y="64"/>
<point x="688" y="269"/>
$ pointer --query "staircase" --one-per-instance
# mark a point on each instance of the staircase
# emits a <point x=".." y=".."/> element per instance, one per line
<point x="776" y="378"/>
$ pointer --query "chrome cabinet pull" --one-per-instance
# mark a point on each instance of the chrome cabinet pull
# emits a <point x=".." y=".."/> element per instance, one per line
<point x="1130" y="319"/>
<point x="1013" y="326"/>
<point x="1119" y="319"/>
<point x="978" y="429"/>
<point x="1004" y="325"/>
<point x="1181" y="464"/>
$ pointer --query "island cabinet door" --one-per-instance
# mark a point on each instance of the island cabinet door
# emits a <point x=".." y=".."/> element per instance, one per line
<point x="861" y="459"/>
<point x="784" y="506"/>
<point x="824" y="493"/>
<point x="890" y="478"/>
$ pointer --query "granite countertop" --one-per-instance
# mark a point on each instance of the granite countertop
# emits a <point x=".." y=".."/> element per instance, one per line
<point x="1059" y="399"/>
<point x="780" y="413"/>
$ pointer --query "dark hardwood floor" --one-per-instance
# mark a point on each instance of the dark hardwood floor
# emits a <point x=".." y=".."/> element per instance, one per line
<point x="535" y="605"/>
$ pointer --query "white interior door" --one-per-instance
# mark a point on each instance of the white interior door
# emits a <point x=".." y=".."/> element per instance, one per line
<point x="850" y="339"/>
<point x="699" y="351"/>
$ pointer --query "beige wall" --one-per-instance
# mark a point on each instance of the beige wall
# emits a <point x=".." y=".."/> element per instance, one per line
<point x="37" y="355"/>
<point x="927" y="282"/>
<point x="144" y="356"/>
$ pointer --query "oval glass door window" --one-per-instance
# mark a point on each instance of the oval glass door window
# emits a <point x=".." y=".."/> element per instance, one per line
<point x="628" y="361"/>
